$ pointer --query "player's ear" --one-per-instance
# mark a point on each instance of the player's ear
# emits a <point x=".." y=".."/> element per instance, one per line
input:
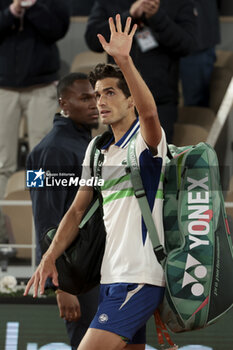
<point x="131" y="103"/>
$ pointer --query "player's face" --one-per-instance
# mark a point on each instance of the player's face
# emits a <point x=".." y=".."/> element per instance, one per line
<point x="112" y="104"/>
<point x="80" y="103"/>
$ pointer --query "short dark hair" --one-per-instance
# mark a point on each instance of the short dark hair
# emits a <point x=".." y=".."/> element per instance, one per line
<point x="102" y="71"/>
<point x="68" y="81"/>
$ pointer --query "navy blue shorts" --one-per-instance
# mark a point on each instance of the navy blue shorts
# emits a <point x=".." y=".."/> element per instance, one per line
<point x="124" y="309"/>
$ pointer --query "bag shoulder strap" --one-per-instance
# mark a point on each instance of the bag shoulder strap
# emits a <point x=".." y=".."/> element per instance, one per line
<point x="98" y="142"/>
<point x="93" y="152"/>
<point x="140" y="194"/>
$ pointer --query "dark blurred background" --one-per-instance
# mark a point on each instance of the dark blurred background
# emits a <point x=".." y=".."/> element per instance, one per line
<point x="83" y="7"/>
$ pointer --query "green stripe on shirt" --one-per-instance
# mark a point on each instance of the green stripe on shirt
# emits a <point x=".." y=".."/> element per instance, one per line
<point x="126" y="192"/>
<point x="110" y="183"/>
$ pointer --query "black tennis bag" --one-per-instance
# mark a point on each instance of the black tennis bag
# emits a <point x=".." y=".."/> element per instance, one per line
<point x="79" y="266"/>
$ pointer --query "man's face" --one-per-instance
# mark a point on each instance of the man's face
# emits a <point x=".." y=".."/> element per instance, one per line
<point x="112" y="104"/>
<point x="79" y="103"/>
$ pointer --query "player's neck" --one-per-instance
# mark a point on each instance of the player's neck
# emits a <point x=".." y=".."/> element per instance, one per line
<point x="121" y="127"/>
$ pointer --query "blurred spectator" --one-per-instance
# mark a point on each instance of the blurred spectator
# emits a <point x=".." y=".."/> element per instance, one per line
<point x="81" y="8"/>
<point x="61" y="152"/>
<point x="166" y="32"/>
<point x="29" y="64"/>
<point x="196" y="69"/>
<point x="225" y="7"/>
<point x="3" y="233"/>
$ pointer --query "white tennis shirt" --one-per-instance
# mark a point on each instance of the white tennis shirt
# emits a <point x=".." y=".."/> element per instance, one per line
<point x="129" y="255"/>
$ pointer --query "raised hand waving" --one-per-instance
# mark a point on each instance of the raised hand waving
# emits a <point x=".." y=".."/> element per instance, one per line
<point x="121" y="40"/>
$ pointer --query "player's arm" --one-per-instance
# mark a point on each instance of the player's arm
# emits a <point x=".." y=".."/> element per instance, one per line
<point x="119" y="48"/>
<point x="66" y="233"/>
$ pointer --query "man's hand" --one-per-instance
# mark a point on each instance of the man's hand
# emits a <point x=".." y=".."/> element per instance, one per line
<point x="120" y="41"/>
<point x="152" y="9"/>
<point x="47" y="268"/>
<point x="146" y="7"/>
<point x="17" y="4"/>
<point x="137" y="8"/>
<point x="68" y="305"/>
<point x="16" y="8"/>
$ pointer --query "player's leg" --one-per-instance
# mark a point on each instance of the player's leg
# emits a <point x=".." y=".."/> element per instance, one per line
<point x="96" y="339"/>
<point x="121" y="317"/>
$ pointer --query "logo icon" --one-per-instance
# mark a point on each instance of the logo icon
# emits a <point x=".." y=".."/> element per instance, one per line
<point x="200" y="272"/>
<point x="35" y="178"/>
<point x="103" y="318"/>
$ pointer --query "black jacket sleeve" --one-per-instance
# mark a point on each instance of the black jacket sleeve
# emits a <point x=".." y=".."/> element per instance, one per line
<point x="98" y="23"/>
<point x="50" y="19"/>
<point x="178" y="34"/>
<point x="6" y="21"/>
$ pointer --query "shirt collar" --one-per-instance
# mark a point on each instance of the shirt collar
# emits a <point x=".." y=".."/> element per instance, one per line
<point x="123" y="142"/>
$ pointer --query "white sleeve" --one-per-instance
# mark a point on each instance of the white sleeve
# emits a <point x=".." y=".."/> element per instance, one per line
<point x="86" y="169"/>
<point x="161" y="148"/>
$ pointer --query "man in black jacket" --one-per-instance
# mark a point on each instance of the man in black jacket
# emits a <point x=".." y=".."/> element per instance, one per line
<point x="169" y="29"/>
<point x="196" y="69"/>
<point x="61" y="152"/>
<point x="29" y="64"/>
